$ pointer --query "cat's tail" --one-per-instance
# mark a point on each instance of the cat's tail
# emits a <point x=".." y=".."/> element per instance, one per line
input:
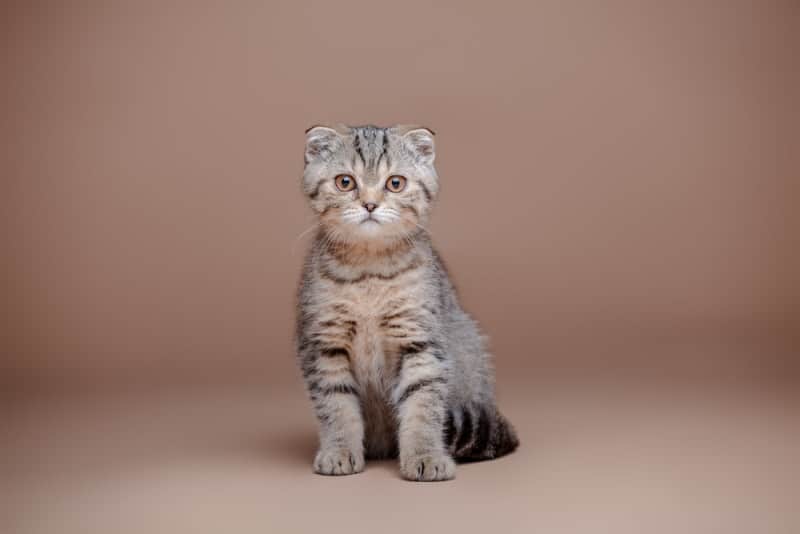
<point x="479" y="433"/>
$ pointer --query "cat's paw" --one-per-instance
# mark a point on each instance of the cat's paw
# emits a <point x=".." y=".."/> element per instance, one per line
<point x="428" y="467"/>
<point x="338" y="461"/>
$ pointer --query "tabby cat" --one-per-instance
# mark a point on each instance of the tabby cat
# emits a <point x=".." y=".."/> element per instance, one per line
<point x="393" y="365"/>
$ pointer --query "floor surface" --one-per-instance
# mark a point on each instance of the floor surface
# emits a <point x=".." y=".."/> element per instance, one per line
<point x="596" y="456"/>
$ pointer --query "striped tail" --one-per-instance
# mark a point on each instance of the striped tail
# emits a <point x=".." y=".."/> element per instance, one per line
<point x="478" y="433"/>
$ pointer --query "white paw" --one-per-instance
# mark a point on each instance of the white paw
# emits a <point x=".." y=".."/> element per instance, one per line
<point x="338" y="461"/>
<point x="428" y="467"/>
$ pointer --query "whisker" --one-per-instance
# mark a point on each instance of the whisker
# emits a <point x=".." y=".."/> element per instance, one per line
<point x="419" y="225"/>
<point x="304" y="232"/>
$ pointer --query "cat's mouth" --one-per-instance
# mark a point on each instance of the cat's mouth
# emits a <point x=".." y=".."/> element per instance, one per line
<point x="369" y="219"/>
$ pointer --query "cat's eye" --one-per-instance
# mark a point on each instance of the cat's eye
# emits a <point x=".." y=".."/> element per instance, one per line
<point x="345" y="182"/>
<point x="396" y="183"/>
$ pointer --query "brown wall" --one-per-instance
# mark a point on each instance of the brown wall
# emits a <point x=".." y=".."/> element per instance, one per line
<point x="611" y="171"/>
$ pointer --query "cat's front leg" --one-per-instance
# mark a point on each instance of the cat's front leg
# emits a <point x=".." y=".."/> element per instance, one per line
<point x="335" y="396"/>
<point x="420" y="400"/>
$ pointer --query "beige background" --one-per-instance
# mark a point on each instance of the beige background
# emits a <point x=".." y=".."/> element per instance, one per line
<point x="622" y="168"/>
<point x="620" y="185"/>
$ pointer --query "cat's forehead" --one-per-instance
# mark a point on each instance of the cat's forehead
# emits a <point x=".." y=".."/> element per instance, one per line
<point x="371" y="139"/>
<point x="370" y="133"/>
<point x="371" y="149"/>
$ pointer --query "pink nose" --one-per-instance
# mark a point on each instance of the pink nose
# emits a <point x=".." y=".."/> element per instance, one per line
<point x="370" y="206"/>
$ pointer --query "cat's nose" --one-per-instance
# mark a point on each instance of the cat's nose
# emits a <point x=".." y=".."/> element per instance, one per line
<point x="370" y="206"/>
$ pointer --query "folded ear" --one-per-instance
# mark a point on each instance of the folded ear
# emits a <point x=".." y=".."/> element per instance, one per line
<point x="321" y="142"/>
<point x="420" y="142"/>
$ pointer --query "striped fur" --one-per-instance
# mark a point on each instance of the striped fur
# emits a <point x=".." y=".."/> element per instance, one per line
<point x="392" y="363"/>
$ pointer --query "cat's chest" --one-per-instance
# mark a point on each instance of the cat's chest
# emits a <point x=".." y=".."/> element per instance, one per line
<point x="368" y="301"/>
<point x="368" y="304"/>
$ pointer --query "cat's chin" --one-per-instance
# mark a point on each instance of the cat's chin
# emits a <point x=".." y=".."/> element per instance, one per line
<point x="370" y="228"/>
<point x="370" y="233"/>
<point x="370" y="224"/>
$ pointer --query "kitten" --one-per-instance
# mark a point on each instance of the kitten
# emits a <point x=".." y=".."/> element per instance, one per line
<point x="392" y="363"/>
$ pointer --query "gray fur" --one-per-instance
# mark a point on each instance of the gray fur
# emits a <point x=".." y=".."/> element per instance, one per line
<point x="393" y="364"/>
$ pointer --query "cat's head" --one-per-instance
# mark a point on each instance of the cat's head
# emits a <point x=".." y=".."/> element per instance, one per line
<point x="370" y="183"/>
